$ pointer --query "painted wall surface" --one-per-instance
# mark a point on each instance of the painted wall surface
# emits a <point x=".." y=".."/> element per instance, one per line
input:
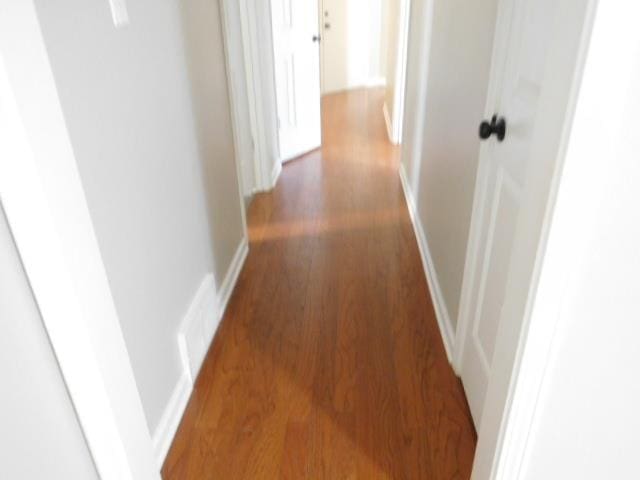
<point x="450" y="42"/>
<point x="40" y="431"/>
<point x="354" y="47"/>
<point x="211" y="105"/>
<point x="160" y="181"/>
<point x="587" y="419"/>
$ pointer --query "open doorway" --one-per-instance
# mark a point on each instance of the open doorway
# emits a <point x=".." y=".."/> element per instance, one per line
<point x="354" y="50"/>
<point x="365" y="46"/>
<point x="327" y="47"/>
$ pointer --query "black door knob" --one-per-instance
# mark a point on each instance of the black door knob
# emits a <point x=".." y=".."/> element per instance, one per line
<point x="315" y="38"/>
<point x="497" y="127"/>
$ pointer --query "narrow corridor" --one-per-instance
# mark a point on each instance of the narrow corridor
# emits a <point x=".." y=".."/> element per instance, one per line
<point x="328" y="363"/>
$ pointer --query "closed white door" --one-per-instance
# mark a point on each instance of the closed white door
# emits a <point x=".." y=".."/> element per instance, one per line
<point x="523" y="44"/>
<point x="297" y="68"/>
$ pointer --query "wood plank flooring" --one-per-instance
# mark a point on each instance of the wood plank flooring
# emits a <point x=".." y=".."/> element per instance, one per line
<point x="328" y="363"/>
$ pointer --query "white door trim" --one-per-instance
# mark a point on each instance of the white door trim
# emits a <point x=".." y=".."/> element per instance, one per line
<point x="400" y="83"/>
<point x="414" y="151"/>
<point x="235" y="114"/>
<point x="253" y="91"/>
<point x="48" y="214"/>
<point x="260" y="95"/>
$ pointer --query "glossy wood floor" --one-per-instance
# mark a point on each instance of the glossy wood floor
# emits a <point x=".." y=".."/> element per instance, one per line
<point x="328" y="363"/>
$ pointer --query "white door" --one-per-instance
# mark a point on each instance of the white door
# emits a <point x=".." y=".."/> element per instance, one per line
<point x="523" y="43"/>
<point x="297" y="67"/>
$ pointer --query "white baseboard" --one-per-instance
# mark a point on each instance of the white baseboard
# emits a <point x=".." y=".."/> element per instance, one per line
<point x="229" y="282"/>
<point x="198" y="327"/>
<point x="387" y="122"/>
<point x="194" y="339"/>
<point x="442" y="314"/>
<point x="275" y="174"/>
<point x="168" y="425"/>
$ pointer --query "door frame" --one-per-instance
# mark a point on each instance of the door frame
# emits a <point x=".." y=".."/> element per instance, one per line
<point x="502" y="446"/>
<point x="396" y="124"/>
<point x="257" y="38"/>
<point x="234" y="92"/>
<point x="254" y="90"/>
<point x="49" y="218"/>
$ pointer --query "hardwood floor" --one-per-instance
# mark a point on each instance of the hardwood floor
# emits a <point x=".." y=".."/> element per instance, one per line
<point x="329" y="363"/>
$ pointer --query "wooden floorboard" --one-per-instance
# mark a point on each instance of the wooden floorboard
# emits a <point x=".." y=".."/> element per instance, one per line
<point x="328" y="363"/>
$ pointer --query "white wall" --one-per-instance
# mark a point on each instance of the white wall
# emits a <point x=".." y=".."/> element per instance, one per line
<point x="165" y="206"/>
<point x="40" y="431"/>
<point x="354" y="49"/>
<point x="450" y="47"/>
<point x="587" y="420"/>
<point x="211" y="105"/>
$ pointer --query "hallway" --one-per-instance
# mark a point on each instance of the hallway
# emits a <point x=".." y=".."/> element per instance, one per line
<point x="328" y="363"/>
